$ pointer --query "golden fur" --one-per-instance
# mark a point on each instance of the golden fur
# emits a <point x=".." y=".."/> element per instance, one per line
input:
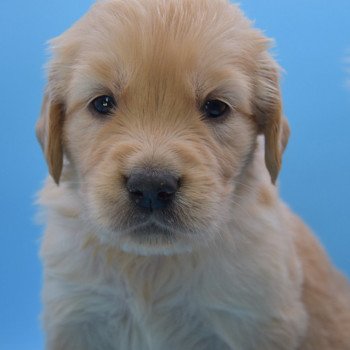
<point x="230" y="267"/>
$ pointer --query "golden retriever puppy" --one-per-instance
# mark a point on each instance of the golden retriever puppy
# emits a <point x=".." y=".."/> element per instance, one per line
<point x="163" y="131"/>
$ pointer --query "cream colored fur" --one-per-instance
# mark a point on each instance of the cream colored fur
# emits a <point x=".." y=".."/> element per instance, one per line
<point x="231" y="267"/>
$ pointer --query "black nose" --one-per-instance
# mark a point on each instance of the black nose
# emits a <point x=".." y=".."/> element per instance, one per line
<point x="152" y="189"/>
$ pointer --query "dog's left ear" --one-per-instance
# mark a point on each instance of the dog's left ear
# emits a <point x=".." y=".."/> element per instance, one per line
<point x="49" y="129"/>
<point x="268" y="113"/>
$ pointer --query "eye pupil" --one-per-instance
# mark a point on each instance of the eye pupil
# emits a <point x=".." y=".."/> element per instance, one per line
<point x="215" y="108"/>
<point x="103" y="104"/>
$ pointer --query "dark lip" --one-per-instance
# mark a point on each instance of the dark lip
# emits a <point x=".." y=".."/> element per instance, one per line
<point x="151" y="228"/>
<point x="158" y="220"/>
<point x="152" y="234"/>
<point x="154" y="224"/>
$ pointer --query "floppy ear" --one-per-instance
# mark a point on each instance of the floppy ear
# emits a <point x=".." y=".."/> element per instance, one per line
<point x="269" y="115"/>
<point x="49" y="133"/>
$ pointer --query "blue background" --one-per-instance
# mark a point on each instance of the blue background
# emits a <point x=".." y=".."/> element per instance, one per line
<point x="313" y="39"/>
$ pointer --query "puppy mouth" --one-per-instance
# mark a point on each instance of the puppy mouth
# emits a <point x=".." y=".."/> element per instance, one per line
<point x="151" y="228"/>
<point x="158" y="233"/>
<point x="154" y="238"/>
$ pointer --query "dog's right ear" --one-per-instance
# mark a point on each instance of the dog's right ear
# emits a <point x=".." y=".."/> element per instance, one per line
<point x="49" y="129"/>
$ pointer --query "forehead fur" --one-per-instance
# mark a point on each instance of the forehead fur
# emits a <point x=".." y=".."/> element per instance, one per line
<point x="119" y="38"/>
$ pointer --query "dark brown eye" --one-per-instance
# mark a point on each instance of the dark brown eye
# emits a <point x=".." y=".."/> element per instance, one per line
<point x="215" y="108"/>
<point x="103" y="104"/>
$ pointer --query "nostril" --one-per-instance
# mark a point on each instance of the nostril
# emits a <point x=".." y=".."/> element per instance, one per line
<point x="136" y="196"/>
<point x="136" y="193"/>
<point x="165" y="196"/>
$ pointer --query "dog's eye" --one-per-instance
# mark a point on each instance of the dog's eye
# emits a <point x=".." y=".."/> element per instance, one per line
<point x="103" y="104"/>
<point x="215" y="108"/>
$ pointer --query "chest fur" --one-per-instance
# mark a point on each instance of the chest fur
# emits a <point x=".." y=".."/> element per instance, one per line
<point x="185" y="303"/>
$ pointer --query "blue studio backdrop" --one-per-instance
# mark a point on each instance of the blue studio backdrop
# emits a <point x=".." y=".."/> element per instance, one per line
<point x="312" y="43"/>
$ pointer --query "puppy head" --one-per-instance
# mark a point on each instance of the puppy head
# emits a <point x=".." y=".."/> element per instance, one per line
<point x="156" y="106"/>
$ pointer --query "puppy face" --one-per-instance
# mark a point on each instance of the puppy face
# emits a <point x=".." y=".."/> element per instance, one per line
<point x="156" y="106"/>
